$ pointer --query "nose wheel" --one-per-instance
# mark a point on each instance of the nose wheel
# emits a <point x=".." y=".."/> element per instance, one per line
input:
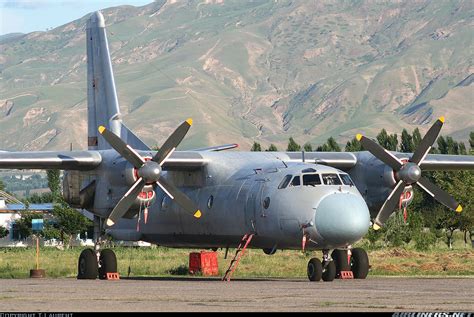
<point x="325" y="270"/>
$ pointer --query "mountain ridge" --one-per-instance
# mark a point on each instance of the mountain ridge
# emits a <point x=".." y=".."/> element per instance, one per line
<point x="249" y="71"/>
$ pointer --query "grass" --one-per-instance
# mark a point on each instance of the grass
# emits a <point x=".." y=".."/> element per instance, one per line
<point x="165" y="262"/>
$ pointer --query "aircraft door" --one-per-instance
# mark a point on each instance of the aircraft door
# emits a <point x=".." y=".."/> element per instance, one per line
<point x="253" y="205"/>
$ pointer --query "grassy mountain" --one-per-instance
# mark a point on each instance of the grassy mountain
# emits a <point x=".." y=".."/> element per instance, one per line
<point x="259" y="70"/>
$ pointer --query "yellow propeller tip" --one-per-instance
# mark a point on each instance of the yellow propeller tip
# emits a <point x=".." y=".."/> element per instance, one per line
<point x="101" y="129"/>
<point x="376" y="227"/>
<point x="110" y="222"/>
<point x="441" y="119"/>
<point x="459" y="209"/>
<point x="198" y="214"/>
<point x="359" y="137"/>
<point x="190" y="121"/>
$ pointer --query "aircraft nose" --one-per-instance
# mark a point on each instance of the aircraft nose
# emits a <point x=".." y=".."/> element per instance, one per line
<point x="342" y="218"/>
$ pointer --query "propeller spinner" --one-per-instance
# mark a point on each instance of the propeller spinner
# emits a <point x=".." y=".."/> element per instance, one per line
<point x="408" y="173"/>
<point x="149" y="172"/>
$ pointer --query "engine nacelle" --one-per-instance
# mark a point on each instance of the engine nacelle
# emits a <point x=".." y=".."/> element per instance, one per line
<point x="79" y="188"/>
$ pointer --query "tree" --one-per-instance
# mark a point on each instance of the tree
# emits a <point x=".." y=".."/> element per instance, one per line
<point x="308" y="147"/>
<point x="24" y="223"/>
<point x="272" y="148"/>
<point x="389" y="142"/>
<point x="353" y="146"/>
<point x="406" y="144"/>
<point x="330" y="146"/>
<point x="69" y="222"/>
<point x="256" y="147"/>
<point x="293" y="146"/>
<point x="471" y="141"/>
<point x="54" y="184"/>
<point x="3" y="232"/>
<point x="2" y="185"/>
<point x="416" y="138"/>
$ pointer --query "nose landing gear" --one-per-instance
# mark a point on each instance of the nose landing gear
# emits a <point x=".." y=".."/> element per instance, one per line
<point x="332" y="266"/>
<point x="325" y="270"/>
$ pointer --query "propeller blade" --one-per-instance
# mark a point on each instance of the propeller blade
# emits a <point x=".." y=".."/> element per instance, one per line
<point x="172" y="142"/>
<point x="126" y="202"/>
<point x="439" y="194"/>
<point x="380" y="153"/>
<point x="122" y="148"/>
<point x="389" y="205"/>
<point x="180" y="198"/>
<point x="427" y="142"/>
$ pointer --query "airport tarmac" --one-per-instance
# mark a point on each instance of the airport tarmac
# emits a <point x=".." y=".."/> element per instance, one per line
<point x="184" y="294"/>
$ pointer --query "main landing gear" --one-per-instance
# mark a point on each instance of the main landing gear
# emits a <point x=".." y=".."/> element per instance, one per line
<point x="337" y="262"/>
<point x="96" y="263"/>
<point x="89" y="268"/>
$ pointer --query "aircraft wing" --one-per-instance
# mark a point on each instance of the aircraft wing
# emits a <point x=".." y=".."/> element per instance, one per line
<point x="443" y="162"/>
<point x="341" y="160"/>
<point x="347" y="160"/>
<point x="184" y="160"/>
<point x="217" y="148"/>
<point x="68" y="160"/>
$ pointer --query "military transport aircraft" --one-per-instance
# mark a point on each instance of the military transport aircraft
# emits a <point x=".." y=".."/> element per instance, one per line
<point x="209" y="198"/>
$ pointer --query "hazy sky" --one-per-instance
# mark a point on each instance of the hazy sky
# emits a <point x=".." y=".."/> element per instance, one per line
<point x="36" y="15"/>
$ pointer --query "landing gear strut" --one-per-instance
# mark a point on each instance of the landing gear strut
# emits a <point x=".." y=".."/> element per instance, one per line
<point x="96" y="263"/>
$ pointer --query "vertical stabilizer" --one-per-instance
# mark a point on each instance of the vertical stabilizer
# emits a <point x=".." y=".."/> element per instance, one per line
<point x="102" y="103"/>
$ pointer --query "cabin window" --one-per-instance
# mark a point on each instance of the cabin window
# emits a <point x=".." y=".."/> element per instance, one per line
<point x="311" y="180"/>
<point x="285" y="181"/>
<point x="296" y="181"/>
<point x="346" y="180"/>
<point x="331" y="179"/>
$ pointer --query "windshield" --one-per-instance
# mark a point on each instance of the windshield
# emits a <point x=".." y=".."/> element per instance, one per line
<point x="285" y="181"/>
<point x="331" y="179"/>
<point x="346" y="180"/>
<point x="296" y="181"/>
<point x="311" y="180"/>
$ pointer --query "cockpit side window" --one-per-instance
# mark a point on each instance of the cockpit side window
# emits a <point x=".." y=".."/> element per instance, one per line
<point x="296" y="181"/>
<point x="331" y="179"/>
<point x="346" y="180"/>
<point x="311" y="180"/>
<point x="285" y="181"/>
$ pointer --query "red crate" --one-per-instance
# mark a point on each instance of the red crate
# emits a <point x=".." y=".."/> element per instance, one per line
<point x="204" y="262"/>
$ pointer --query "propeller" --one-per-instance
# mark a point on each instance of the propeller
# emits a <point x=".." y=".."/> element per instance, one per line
<point x="149" y="172"/>
<point x="408" y="173"/>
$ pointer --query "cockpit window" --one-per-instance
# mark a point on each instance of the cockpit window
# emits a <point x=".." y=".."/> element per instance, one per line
<point x="346" y="180"/>
<point x="311" y="180"/>
<point x="285" y="181"/>
<point x="296" y="181"/>
<point x="308" y="170"/>
<point x="331" y="179"/>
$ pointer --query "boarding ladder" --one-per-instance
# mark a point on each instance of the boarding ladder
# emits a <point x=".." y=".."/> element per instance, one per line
<point x="238" y="255"/>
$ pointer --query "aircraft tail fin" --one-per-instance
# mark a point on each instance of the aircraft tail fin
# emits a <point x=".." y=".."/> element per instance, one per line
<point x="102" y="103"/>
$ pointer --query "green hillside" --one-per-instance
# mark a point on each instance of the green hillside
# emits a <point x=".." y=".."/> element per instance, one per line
<point x="247" y="71"/>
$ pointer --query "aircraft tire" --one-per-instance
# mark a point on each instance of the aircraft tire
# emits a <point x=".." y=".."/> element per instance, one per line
<point x="87" y="267"/>
<point x="340" y="260"/>
<point x="108" y="263"/>
<point x="359" y="263"/>
<point x="315" y="270"/>
<point x="329" y="272"/>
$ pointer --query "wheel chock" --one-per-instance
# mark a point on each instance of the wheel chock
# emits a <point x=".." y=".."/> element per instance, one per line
<point x="112" y="276"/>
<point x="346" y="275"/>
